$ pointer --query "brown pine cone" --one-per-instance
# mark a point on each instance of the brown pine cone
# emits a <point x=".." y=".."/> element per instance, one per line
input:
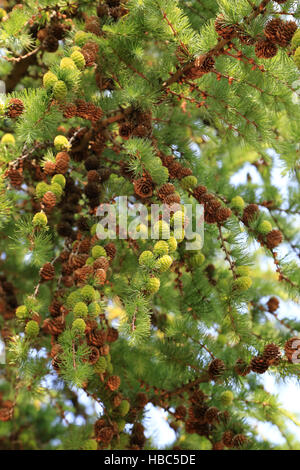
<point x="211" y="415"/>
<point x="105" y="435"/>
<point x="111" y="250"/>
<point x="78" y="261"/>
<point x="227" y="439"/>
<point x="180" y="412"/>
<point x="49" y="168"/>
<point x="242" y="368"/>
<point x="113" y="382"/>
<point x="190" y="427"/>
<point x="222" y="214"/>
<point x="141" y="400"/>
<point x="112" y="335"/>
<point x="183" y="172"/>
<point x="205" y="63"/>
<point x="91" y="46"/>
<point x="165" y="190"/>
<point x="224" y="30"/>
<point x="15" y="108"/>
<point x="259" y="364"/>
<point x="47" y="272"/>
<point x="96" y="337"/>
<point x="216" y="368"/>
<point x="15" y="177"/>
<point x="143" y="186"/>
<point x="273" y="29"/>
<point x="101" y="263"/>
<point x="172" y="199"/>
<point x="92" y="25"/>
<point x="174" y="170"/>
<point x="273" y="304"/>
<point x="100" y="277"/>
<point x="70" y="110"/>
<point x="292" y="349"/>
<point x="274" y="238"/>
<point x="98" y="425"/>
<point x="197" y="397"/>
<point x="84" y="246"/>
<point x="82" y="109"/>
<point x="57" y="29"/>
<point x="218" y="445"/>
<point x="6" y="410"/>
<point x="89" y="57"/>
<point x="49" y="200"/>
<point x="246" y="39"/>
<point x="50" y="43"/>
<point x="199" y="192"/>
<point x="286" y="33"/>
<point x="265" y="49"/>
<point x="54" y="308"/>
<point x="93" y="355"/>
<point x="137" y="436"/>
<point x="272" y="354"/>
<point x="239" y="440"/>
<point x="102" y="10"/>
<point x="250" y="213"/>
<point x="54" y="326"/>
<point x="125" y="130"/>
<point x="212" y="206"/>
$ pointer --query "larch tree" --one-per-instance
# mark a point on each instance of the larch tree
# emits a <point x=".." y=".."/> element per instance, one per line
<point x="120" y="107"/>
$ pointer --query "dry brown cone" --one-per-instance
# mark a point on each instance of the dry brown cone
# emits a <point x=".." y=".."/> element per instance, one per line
<point x="49" y="200"/>
<point x="47" y="272"/>
<point x="125" y="130"/>
<point x="94" y="112"/>
<point x="265" y="49"/>
<point x="111" y="250"/>
<point x="57" y="29"/>
<point x="197" y="413"/>
<point x="67" y="269"/>
<point x="172" y="199"/>
<point x="143" y="186"/>
<point x="102" y="10"/>
<point x="250" y="213"/>
<point x="292" y="349"/>
<point x="70" y="111"/>
<point x="274" y="238"/>
<point x="239" y="440"/>
<point x="84" y="246"/>
<point x="141" y="400"/>
<point x="112" y="335"/>
<point x="142" y="131"/>
<point x="68" y="281"/>
<point x="222" y="214"/>
<point x="165" y="190"/>
<point x="218" y="445"/>
<point x="93" y="176"/>
<point x="183" y="172"/>
<point x="288" y="30"/>
<point x="117" y="400"/>
<point x="15" y="177"/>
<point x="82" y="109"/>
<point x="100" y="277"/>
<point x="259" y="364"/>
<point x="62" y="160"/>
<point x="273" y="304"/>
<point x="50" y="43"/>
<point x="96" y="337"/>
<point x="216" y="368"/>
<point x="54" y="326"/>
<point x="174" y="170"/>
<point x="42" y="33"/>
<point x="81" y="275"/>
<point x="211" y="415"/>
<point x="273" y="29"/>
<point x="197" y="397"/>
<point x="91" y="46"/>
<point x="6" y="410"/>
<point x="272" y="354"/>
<point x="54" y="308"/>
<point x="105" y="435"/>
<point x="49" y="168"/>
<point x="104" y="350"/>
<point x="227" y="439"/>
<point x="224" y="30"/>
<point x="190" y="427"/>
<point x="92" y="25"/>
<point x="138" y="437"/>
<point x="98" y="425"/>
<point x="205" y="63"/>
<point x="101" y="263"/>
<point x="246" y="39"/>
<point x="89" y="57"/>
<point x="93" y="355"/>
<point x="15" y="108"/>
<point x="78" y="261"/>
<point x="55" y="350"/>
<point x="242" y="368"/>
<point x="212" y="206"/>
<point x="180" y="412"/>
<point x="199" y="192"/>
<point x="113" y="382"/>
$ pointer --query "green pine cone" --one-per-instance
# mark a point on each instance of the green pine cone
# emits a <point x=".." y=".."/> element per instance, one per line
<point x="153" y="285"/>
<point x="94" y="309"/>
<point x="189" y="182"/>
<point x="297" y="57"/>
<point x="78" y="59"/>
<point x="296" y="39"/>
<point x="22" y="312"/>
<point x="87" y="293"/>
<point x="49" y="80"/>
<point x="32" y="329"/>
<point x="172" y="243"/>
<point x="146" y="259"/>
<point x="41" y="189"/>
<point x="67" y="63"/>
<point x="56" y="189"/>
<point x="79" y="325"/>
<point x="101" y="365"/>
<point x="40" y="219"/>
<point x="89" y="444"/>
<point x="123" y="408"/>
<point x="80" y="310"/>
<point x="264" y="227"/>
<point x="59" y="179"/>
<point x="227" y="398"/>
<point x="161" y="248"/>
<point x="98" y="251"/>
<point x="238" y="203"/>
<point x="242" y="283"/>
<point x="60" y="90"/>
<point x="164" y="263"/>
<point x="61" y="143"/>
